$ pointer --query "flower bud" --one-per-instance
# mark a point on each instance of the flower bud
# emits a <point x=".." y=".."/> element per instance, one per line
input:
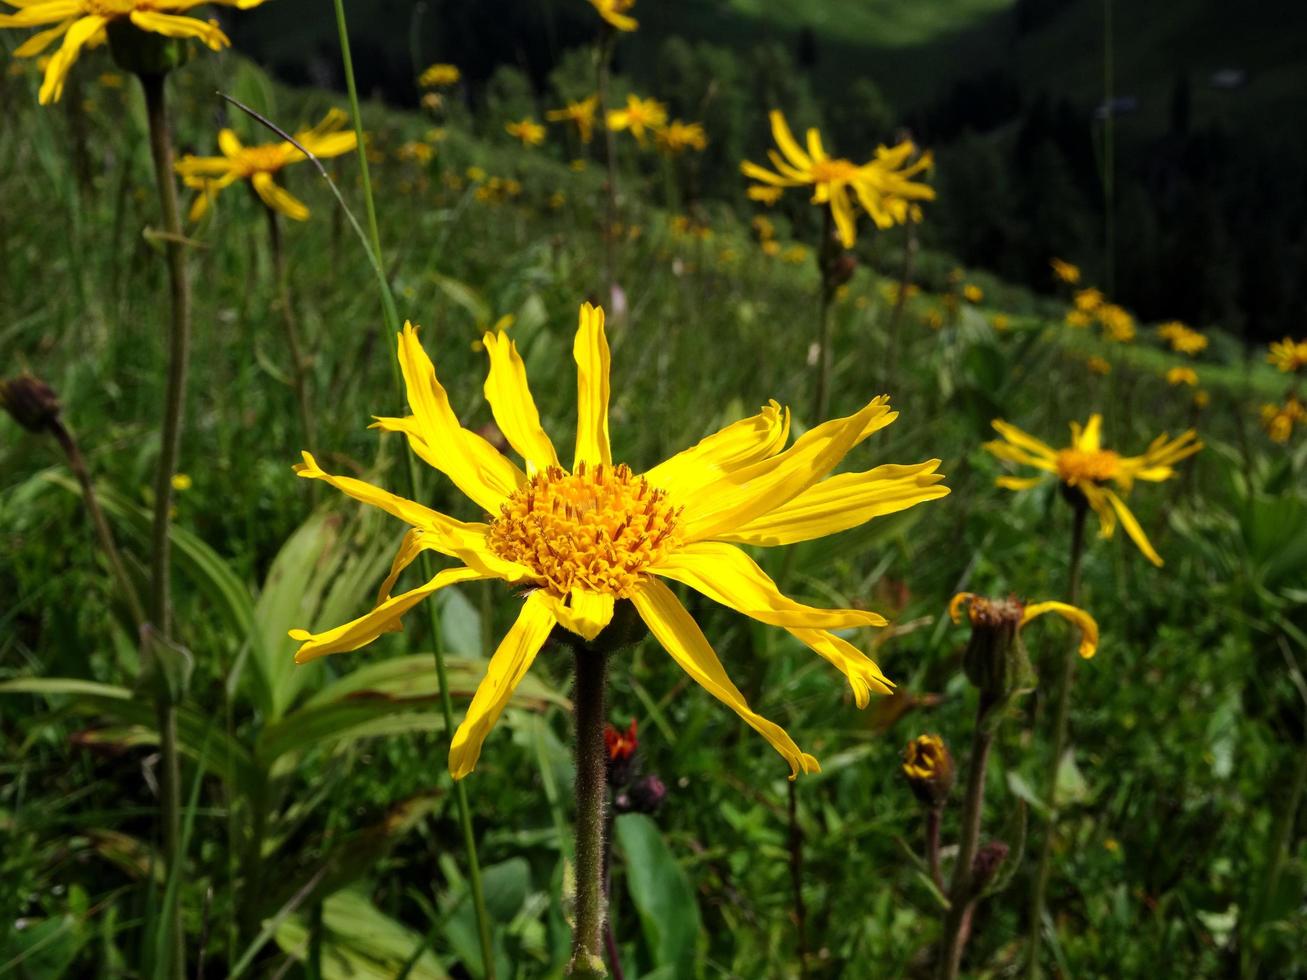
<point x="646" y="796"/>
<point x="995" y="660"/>
<point x="620" y="747"/>
<point x="32" y="403"/>
<point x="928" y="768"/>
<point x="144" y="52"/>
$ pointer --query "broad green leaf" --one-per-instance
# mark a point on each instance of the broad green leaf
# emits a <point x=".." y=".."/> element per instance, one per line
<point x="661" y="892"/>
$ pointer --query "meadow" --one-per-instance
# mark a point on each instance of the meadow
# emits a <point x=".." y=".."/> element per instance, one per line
<point x="1151" y="793"/>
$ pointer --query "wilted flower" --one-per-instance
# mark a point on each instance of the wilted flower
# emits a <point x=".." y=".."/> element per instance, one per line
<point x="30" y="402"/>
<point x="1065" y="271"/>
<point x="928" y="768"/>
<point x="1288" y="355"/>
<point x="1012" y="615"/>
<point x="580" y="114"/>
<point x="83" y="24"/>
<point x="1085" y="467"/>
<point x="260" y="165"/>
<point x="440" y="75"/>
<point x="578" y="542"/>
<point x="639" y="116"/>
<point x="614" y="12"/>
<point x="881" y="186"/>
<point x="530" y="132"/>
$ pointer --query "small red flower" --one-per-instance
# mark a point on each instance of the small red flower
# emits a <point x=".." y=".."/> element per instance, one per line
<point x="621" y="745"/>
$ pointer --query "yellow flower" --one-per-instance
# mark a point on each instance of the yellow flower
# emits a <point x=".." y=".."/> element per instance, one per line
<point x="764" y="194"/>
<point x="1088" y="300"/>
<point x="82" y="23"/>
<point x="476" y="174"/>
<point x="1202" y="399"/>
<point x="881" y="186"/>
<point x="982" y="611"/>
<point x="260" y="164"/>
<point x="1182" y="339"/>
<point x="764" y="227"/>
<point x="1065" y="271"/>
<point x="614" y="12"/>
<point x="417" y="151"/>
<point x="440" y="75"/>
<point x="580" y="114"/>
<point x="1182" y="376"/>
<point x="556" y="200"/>
<point x="1078" y="319"/>
<point x="795" y="255"/>
<point x="530" y="132"/>
<point x="1288" y="356"/>
<point x="1087" y="467"/>
<point x="111" y="79"/>
<point x="934" y="318"/>
<point x="972" y="293"/>
<point x="181" y="481"/>
<point x="1000" y="322"/>
<point x="1098" y="365"/>
<point x="677" y="137"/>
<point x="639" y="116"/>
<point x="928" y="768"/>
<point x="890" y="292"/>
<point x="1117" y="323"/>
<point x="1279" y="421"/>
<point x="577" y="166"/>
<point x="576" y="541"/>
<point x="771" y="247"/>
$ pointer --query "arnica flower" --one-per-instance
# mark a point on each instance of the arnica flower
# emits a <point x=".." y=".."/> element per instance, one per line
<point x="1182" y="339"/>
<point x="261" y="164"/>
<point x="1088" y="300"/>
<point x="1086" y="467"/>
<point x="440" y="75"/>
<point x="577" y="541"/>
<point x="1288" y="356"/>
<point x="1279" y="420"/>
<point x="972" y="293"/>
<point x="1098" y="365"/>
<point x="580" y="114"/>
<point x="983" y="612"/>
<point x="1182" y="376"/>
<point x="1065" y="271"/>
<point x="928" y="768"/>
<point x="530" y="132"/>
<point x="639" y="116"/>
<point x="881" y="186"/>
<point x="614" y="12"/>
<point x="1117" y="322"/>
<point x="677" y="137"/>
<point x="1078" y="319"/>
<point x="764" y="194"/>
<point x="764" y="228"/>
<point x="82" y="24"/>
<point x="416" y="151"/>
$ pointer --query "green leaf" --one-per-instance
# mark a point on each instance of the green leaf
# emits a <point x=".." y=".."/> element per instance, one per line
<point x="661" y="892"/>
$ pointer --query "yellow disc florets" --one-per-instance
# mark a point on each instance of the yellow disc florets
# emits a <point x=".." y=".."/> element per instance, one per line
<point x="261" y="159"/>
<point x="834" y="171"/>
<point x="112" y="8"/>
<point x="598" y="528"/>
<point x="1087" y="466"/>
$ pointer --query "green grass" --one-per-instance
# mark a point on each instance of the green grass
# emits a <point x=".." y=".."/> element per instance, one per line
<point x="1183" y="726"/>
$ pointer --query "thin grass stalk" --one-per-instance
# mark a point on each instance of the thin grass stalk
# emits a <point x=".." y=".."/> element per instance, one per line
<point x="795" y="846"/>
<point x="433" y="617"/>
<point x="963" y="891"/>
<point x="299" y="362"/>
<point x="591" y="791"/>
<point x="1109" y="154"/>
<point x="603" y="55"/>
<point x="1061" y="712"/>
<point x="826" y="255"/>
<point x="900" y="302"/>
<point x="160" y="611"/>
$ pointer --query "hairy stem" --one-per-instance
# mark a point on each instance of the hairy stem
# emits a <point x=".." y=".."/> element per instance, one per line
<point x="1061" y="712"/>
<point x="591" y="796"/>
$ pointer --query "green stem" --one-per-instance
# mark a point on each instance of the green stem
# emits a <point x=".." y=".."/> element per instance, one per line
<point x="1061" y="712"/>
<point x="433" y="616"/>
<point x="160" y="606"/>
<point x="591" y="792"/>
<point x="900" y="301"/>
<point x="603" y="54"/>
<point x="962" y="894"/>
<point x="299" y="363"/>
<point x="826" y="255"/>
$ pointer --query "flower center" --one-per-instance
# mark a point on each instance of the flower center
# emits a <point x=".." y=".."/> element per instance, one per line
<point x="833" y="171"/>
<point x="261" y="159"/>
<point x="1081" y="466"/>
<point x="597" y="528"/>
<point x="113" y="8"/>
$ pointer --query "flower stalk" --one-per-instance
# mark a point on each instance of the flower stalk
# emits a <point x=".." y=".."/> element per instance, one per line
<point x="299" y="362"/>
<point x="1061" y="712"/>
<point x="591" y="790"/>
<point x="153" y="86"/>
<point x="603" y="58"/>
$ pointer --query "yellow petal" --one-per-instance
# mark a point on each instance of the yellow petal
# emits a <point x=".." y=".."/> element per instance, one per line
<point x="1024" y="440"/>
<point x="229" y="143"/>
<point x="842" y="502"/>
<point x="727" y="575"/>
<point x="750" y="492"/>
<point x="170" y="25"/>
<point x="409" y="548"/>
<point x="780" y="131"/>
<point x="728" y="449"/>
<point x="1089" y="439"/>
<point x="52" y="86"/>
<point x="681" y="637"/>
<point x="476" y="467"/>
<point x="514" y="409"/>
<point x="842" y="211"/>
<point x="863" y="674"/>
<point x="1018" y="482"/>
<point x="517" y="651"/>
<point x="1017" y="454"/>
<point x="1132" y="527"/>
<point x="278" y="198"/>
<point x="384" y="618"/>
<point x="585" y="613"/>
<point x="956" y="603"/>
<point x="41" y="40"/>
<point x="592" y="361"/>
<point x="1072" y="614"/>
<point x="36" y="14"/>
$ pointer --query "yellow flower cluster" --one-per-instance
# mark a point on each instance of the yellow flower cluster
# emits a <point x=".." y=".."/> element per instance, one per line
<point x="1183" y="339"/>
<point x="1279" y="421"/>
<point x="1288" y="355"/>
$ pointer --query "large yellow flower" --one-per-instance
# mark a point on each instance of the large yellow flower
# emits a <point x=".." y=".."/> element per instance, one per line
<point x="881" y="186"/>
<point x="260" y="165"/>
<point x="82" y="23"/>
<point x="1087" y="467"/>
<point x="639" y="116"/>
<point x="614" y="12"/>
<point x="577" y="541"/>
<point x="580" y="114"/>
